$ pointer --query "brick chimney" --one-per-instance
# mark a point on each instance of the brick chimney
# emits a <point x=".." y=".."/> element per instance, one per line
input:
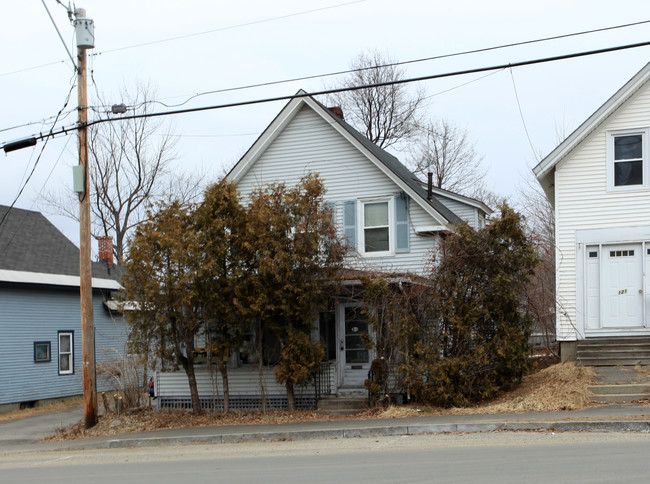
<point x="337" y="111"/>
<point x="106" y="249"/>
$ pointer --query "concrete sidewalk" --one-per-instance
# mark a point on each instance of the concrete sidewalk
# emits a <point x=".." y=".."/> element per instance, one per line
<point x="609" y="418"/>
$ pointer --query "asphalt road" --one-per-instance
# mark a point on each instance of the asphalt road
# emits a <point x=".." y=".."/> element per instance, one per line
<point x="477" y="458"/>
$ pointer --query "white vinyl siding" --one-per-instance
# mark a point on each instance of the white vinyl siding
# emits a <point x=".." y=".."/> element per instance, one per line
<point x="310" y="144"/>
<point x="465" y="212"/>
<point x="582" y="201"/>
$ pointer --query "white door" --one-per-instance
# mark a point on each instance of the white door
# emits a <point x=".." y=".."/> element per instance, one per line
<point x="354" y="356"/>
<point x="622" y="286"/>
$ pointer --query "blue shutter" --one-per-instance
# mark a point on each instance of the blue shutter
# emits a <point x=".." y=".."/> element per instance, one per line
<point x="402" y="223"/>
<point x="350" y="222"/>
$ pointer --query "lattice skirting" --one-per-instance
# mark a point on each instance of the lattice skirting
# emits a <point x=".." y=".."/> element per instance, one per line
<point x="238" y="403"/>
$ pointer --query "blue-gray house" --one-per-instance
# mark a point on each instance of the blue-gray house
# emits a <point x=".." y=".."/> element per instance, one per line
<point x="40" y="317"/>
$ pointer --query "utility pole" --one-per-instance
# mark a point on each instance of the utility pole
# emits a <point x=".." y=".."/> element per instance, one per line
<point x="84" y="29"/>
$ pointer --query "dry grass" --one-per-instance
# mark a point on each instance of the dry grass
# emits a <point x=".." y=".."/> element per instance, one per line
<point x="557" y="387"/>
<point x="44" y="407"/>
<point x="148" y="419"/>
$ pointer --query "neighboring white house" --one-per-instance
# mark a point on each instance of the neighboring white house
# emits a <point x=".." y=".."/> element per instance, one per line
<point x="598" y="181"/>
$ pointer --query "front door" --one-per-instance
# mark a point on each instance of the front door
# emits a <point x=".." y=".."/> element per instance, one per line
<point x="622" y="288"/>
<point x="354" y="356"/>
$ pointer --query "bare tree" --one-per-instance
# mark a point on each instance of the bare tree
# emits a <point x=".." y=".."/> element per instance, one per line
<point x="540" y="227"/>
<point x="386" y="114"/>
<point x="445" y="150"/>
<point x="130" y="168"/>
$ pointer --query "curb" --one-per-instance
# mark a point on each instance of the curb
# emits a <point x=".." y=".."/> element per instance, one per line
<point x="422" y="429"/>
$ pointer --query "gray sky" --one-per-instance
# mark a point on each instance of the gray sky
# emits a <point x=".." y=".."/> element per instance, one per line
<point x="259" y="41"/>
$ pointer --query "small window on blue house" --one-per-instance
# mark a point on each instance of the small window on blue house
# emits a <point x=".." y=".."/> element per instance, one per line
<point x="66" y="352"/>
<point x="42" y="351"/>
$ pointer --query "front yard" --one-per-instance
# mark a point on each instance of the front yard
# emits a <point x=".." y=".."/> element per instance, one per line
<point x="557" y="387"/>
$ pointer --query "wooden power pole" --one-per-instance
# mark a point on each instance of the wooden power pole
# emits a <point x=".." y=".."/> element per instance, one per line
<point x="85" y="40"/>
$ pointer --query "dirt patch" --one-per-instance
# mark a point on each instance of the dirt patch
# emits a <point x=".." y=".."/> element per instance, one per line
<point x="557" y="387"/>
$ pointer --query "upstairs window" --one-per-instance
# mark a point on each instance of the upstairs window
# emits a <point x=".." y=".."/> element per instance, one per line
<point x="376" y="228"/>
<point x="627" y="160"/>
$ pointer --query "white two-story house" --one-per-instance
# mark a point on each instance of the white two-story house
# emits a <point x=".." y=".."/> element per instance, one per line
<point x="598" y="181"/>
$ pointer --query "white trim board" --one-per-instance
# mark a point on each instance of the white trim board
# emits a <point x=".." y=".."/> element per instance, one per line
<point x="54" y="279"/>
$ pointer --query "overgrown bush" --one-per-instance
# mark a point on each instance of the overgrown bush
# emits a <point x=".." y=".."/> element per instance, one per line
<point x="299" y="361"/>
<point x="477" y="344"/>
<point x="123" y="374"/>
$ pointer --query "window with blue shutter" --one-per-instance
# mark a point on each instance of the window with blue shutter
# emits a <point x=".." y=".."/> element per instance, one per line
<point x="350" y="222"/>
<point x="402" y="243"/>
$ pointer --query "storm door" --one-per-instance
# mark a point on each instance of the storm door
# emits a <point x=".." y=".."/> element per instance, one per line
<point x="354" y="356"/>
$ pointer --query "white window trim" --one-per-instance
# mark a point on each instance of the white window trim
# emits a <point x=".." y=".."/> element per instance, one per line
<point x="361" y="233"/>
<point x="610" y="160"/>
<point x="70" y="371"/>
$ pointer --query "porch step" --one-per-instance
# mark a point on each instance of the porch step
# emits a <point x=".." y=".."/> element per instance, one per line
<point x="352" y="392"/>
<point x="596" y="361"/>
<point x="620" y="393"/>
<point x="621" y="351"/>
<point x="342" y="406"/>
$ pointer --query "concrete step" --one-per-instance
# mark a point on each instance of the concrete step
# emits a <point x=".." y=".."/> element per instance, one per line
<point x="630" y="388"/>
<point x="613" y="353"/>
<point x="352" y="392"/>
<point x="617" y="375"/>
<point x="621" y="351"/>
<point x="342" y="404"/>
<point x="617" y="346"/>
<point x="597" y="361"/>
<point x="339" y="412"/>
<point x="620" y="397"/>
<point x="617" y="340"/>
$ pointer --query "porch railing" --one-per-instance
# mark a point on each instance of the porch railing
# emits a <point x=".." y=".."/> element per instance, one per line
<point x="324" y="379"/>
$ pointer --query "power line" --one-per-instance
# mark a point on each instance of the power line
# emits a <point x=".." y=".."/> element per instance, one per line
<point x="397" y="64"/>
<point x="47" y="137"/>
<point x="230" y="27"/>
<point x="37" y="196"/>
<point x="521" y="114"/>
<point x="356" y="88"/>
<point x="60" y="36"/>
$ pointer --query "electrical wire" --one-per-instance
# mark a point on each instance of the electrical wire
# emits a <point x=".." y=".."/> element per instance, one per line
<point x="402" y="63"/>
<point x="521" y="114"/>
<point x="47" y="137"/>
<point x="359" y="87"/>
<point x="463" y="84"/>
<point x="42" y="121"/>
<point x="37" y="196"/>
<point x="60" y="36"/>
<point x="230" y="27"/>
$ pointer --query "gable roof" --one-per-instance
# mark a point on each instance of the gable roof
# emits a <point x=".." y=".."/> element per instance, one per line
<point x="544" y="169"/>
<point x="386" y="162"/>
<point x="33" y="250"/>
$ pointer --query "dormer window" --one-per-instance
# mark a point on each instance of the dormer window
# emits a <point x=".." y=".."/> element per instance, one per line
<point x="627" y="160"/>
